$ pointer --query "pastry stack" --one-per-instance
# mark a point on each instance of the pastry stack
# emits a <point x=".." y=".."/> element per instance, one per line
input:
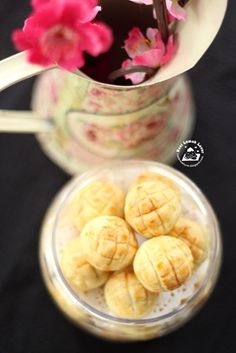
<point x="135" y="246"/>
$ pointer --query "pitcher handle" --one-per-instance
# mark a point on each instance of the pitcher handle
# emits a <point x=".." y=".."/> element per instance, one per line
<point x="12" y="70"/>
<point x="23" y="122"/>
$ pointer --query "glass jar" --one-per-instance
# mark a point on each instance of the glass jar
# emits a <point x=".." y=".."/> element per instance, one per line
<point x="88" y="310"/>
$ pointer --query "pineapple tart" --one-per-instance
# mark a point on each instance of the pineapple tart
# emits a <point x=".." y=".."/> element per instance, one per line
<point x="127" y="297"/>
<point x="109" y="243"/>
<point x="150" y="176"/>
<point x="152" y="208"/>
<point x="96" y="199"/>
<point x="76" y="269"/>
<point x="193" y="235"/>
<point x="163" y="263"/>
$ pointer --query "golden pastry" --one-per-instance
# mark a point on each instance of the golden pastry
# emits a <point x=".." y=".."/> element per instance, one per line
<point x="96" y="199"/>
<point x="152" y="208"/>
<point x="108" y="243"/>
<point x="193" y="235"/>
<point x="163" y="263"/>
<point x="76" y="269"/>
<point x="150" y="176"/>
<point x="126" y="296"/>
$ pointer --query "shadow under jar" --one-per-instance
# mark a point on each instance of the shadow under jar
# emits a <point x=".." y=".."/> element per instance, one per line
<point x="89" y="310"/>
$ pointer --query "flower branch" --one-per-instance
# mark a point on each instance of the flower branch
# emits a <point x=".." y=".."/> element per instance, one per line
<point x="63" y="32"/>
<point x="162" y="20"/>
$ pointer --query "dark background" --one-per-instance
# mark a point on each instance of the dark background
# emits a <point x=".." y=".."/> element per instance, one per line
<point x="29" y="321"/>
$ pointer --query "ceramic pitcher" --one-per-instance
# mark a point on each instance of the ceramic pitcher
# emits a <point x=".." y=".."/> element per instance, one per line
<point x="81" y="122"/>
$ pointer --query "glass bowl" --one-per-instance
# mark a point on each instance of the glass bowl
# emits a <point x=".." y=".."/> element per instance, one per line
<point x="89" y="310"/>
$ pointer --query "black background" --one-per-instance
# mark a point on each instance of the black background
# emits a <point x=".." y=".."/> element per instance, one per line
<point x="29" y="321"/>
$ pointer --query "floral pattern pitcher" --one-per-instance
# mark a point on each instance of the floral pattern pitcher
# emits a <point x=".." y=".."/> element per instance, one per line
<point x="95" y="123"/>
<point x="81" y="122"/>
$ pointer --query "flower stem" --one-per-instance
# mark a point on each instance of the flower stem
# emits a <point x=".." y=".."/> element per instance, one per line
<point x="162" y="18"/>
<point x="122" y="72"/>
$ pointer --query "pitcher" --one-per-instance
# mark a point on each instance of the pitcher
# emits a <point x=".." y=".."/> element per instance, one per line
<point x="81" y="122"/>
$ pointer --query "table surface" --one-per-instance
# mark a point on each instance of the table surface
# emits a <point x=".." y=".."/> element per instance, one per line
<point x="29" y="321"/>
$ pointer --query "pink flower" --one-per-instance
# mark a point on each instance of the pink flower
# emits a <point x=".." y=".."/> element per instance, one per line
<point x="174" y="9"/>
<point x="145" y="2"/>
<point x="37" y="4"/>
<point x="60" y="31"/>
<point x="150" y="51"/>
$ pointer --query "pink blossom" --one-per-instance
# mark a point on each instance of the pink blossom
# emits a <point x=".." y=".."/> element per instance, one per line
<point x="60" y="31"/>
<point x="147" y="51"/>
<point x="145" y="2"/>
<point x="174" y="9"/>
<point x="36" y="3"/>
<point x="94" y="9"/>
<point x="136" y="77"/>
